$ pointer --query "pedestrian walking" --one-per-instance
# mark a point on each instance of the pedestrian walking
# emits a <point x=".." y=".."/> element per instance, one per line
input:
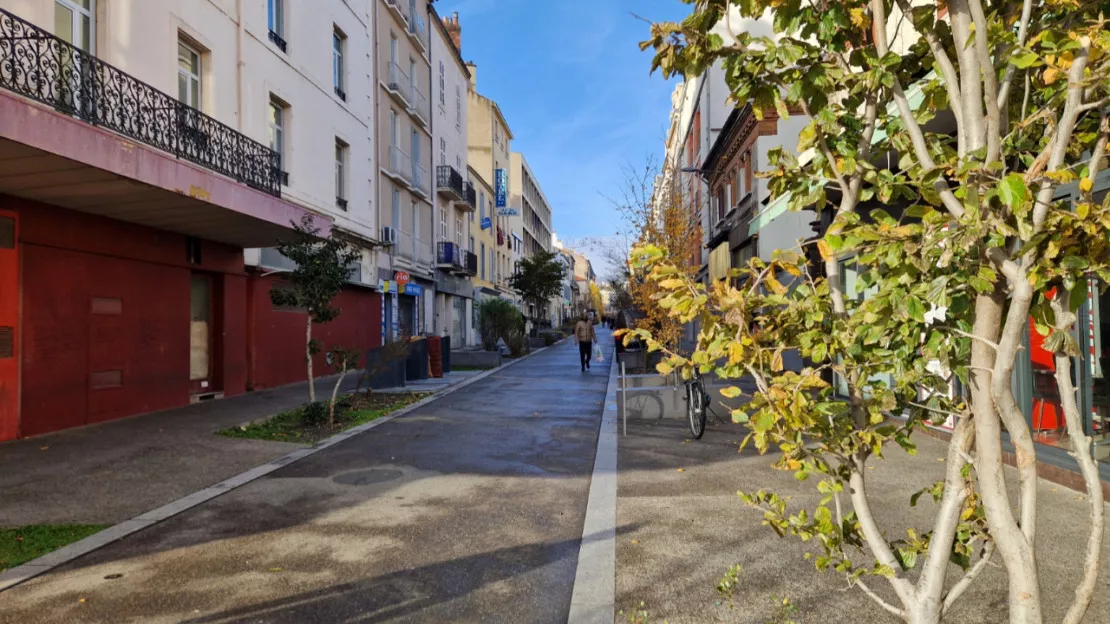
<point x="585" y="336"/>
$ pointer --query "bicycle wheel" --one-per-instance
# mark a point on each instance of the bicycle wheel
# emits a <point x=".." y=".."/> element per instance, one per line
<point x="695" y="409"/>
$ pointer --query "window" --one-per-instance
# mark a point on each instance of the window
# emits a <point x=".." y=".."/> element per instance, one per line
<point x="415" y="225"/>
<point x="277" y="130"/>
<point x="340" y="174"/>
<point x="413" y="86"/>
<point x="482" y="204"/>
<point x="458" y="107"/>
<point x="392" y="128"/>
<point x="75" y="22"/>
<point x="392" y="48"/>
<point x="442" y="224"/>
<point x="338" y="43"/>
<point x="458" y="231"/>
<point x="188" y="75"/>
<point x="442" y="151"/>
<point x="442" y="84"/>
<point x="483" y="259"/>
<point x="396" y="212"/>
<point x="275" y="11"/>
<point x="471" y="247"/>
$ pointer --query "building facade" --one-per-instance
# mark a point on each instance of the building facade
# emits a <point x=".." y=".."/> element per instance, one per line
<point x="488" y="141"/>
<point x="456" y="198"/>
<point x="530" y="203"/>
<point x="141" y="191"/>
<point x="404" y="152"/>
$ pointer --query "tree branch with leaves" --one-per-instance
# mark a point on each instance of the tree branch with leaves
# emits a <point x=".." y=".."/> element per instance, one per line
<point x="952" y="206"/>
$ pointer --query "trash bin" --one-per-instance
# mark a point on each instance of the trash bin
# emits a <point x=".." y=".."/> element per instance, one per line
<point x="416" y="365"/>
<point x="435" y="356"/>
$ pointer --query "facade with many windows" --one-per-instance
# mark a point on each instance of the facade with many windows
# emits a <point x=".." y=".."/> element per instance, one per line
<point x="456" y="197"/>
<point x="489" y="153"/>
<point x="154" y="163"/>
<point x="406" y="186"/>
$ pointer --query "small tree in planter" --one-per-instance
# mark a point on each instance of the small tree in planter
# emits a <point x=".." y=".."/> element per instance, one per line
<point x="342" y="361"/>
<point x="322" y="268"/>
<point x="539" y="279"/>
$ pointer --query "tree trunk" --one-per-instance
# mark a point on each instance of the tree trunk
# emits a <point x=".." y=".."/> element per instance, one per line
<point x="334" y="394"/>
<point x="1017" y="553"/>
<point x="308" y="360"/>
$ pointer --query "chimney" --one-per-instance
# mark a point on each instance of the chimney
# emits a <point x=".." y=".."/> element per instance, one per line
<point x="454" y="29"/>
<point x="473" y="69"/>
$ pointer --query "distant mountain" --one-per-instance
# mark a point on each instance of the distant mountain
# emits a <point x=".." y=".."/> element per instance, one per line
<point x="602" y="251"/>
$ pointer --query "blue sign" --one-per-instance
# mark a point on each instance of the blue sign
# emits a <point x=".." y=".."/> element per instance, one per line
<point x="416" y="290"/>
<point x="502" y="187"/>
<point x="487" y="223"/>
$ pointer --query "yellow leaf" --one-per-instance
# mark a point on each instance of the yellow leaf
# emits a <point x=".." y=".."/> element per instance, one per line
<point x="1085" y="185"/>
<point x="827" y="252"/>
<point x="1051" y="74"/>
<point x="680" y="470"/>
<point x="859" y="17"/>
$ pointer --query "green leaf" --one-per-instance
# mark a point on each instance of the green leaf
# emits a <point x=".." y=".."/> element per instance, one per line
<point x="915" y="309"/>
<point x="1024" y="58"/>
<point x="1074" y="263"/>
<point x="1012" y="190"/>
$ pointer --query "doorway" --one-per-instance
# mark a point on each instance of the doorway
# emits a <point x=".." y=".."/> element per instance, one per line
<point x="9" y="326"/>
<point x="201" y="342"/>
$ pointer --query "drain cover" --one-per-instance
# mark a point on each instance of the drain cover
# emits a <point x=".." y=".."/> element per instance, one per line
<point x="368" y="477"/>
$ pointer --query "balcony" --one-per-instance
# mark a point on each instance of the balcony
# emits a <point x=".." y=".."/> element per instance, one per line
<point x="470" y="198"/>
<point x="419" y="180"/>
<point x="399" y="86"/>
<point x="418" y="32"/>
<point x="399" y="8"/>
<point x="450" y="184"/>
<point x="412" y="249"/>
<point x="418" y="106"/>
<point x="453" y="258"/>
<point x="399" y="166"/>
<point x="37" y="65"/>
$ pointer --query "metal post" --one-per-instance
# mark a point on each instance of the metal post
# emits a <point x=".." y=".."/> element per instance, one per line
<point x="624" y="400"/>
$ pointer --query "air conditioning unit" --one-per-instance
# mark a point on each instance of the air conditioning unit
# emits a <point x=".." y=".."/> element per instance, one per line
<point x="389" y="235"/>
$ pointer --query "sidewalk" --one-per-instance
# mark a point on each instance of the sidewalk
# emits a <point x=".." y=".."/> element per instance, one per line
<point x="676" y="500"/>
<point x="467" y="508"/>
<point x="110" y="472"/>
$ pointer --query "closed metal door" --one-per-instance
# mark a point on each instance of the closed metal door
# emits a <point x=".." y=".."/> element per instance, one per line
<point x="9" y="326"/>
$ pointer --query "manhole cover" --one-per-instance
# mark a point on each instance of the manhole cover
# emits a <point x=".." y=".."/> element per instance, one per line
<point x="368" y="477"/>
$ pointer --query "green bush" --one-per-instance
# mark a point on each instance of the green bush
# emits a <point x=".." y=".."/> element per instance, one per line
<point x="549" y="339"/>
<point x="497" y="318"/>
<point x="314" y="414"/>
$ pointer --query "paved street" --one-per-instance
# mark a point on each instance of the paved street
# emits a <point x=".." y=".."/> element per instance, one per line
<point x="467" y="509"/>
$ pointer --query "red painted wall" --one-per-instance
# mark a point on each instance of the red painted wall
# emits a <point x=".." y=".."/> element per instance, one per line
<point x="276" y="348"/>
<point x="69" y="258"/>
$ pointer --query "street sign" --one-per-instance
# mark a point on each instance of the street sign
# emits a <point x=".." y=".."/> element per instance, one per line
<point x="502" y="187"/>
<point x="487" y="223"/>
<point x="508" y="212"/>
<point x="416" y="290"/>
<point x="402" y="278"/>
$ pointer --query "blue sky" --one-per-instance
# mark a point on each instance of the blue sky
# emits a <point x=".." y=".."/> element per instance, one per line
<point x="574" y="86"/>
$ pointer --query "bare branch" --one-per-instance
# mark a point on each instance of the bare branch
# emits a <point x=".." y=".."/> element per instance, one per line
<point x="969" y="577"/>
<point x="931" y="583"/>
<point x="917" y="137"/>
<point x="990" y="82"/>
<point x="1081" y="449"/>
<point x="878" y="600"/>
<point x="955" y="330"/>
<point x="947" y="70"/>
<point x="871" y="532"/>
<point x="1008" y="78"/>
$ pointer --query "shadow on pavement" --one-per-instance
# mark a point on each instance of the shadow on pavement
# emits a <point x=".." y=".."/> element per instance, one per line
<point x="410" y="594"/>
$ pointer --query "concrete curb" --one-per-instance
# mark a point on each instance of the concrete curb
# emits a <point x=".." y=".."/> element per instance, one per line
<point x="593" y="600"/>
<point x="14" y="576"/>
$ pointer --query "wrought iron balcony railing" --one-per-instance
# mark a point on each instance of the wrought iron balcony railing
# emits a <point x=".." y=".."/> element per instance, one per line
<point x="447" y="254"/>
<point x="37" y="65"/>
<point x="449" y="182"/>
<point x="470" y="262"/>
<point x="471" y="195"/>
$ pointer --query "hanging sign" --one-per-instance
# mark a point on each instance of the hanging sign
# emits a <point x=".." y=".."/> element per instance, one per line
<point x="508" y="212"/>
<point x="502" y="187"/>
<point x="487" y="223"/>
<point x="416" y="290"/>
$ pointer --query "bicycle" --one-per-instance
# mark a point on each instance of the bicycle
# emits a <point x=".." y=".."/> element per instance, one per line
<point x="697" y="404"/>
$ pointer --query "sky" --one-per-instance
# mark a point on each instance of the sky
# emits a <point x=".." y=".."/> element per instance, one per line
<point x="576" y="90"/>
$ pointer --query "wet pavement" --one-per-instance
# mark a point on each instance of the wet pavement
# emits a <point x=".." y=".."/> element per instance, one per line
<point x="467" y="509"/>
